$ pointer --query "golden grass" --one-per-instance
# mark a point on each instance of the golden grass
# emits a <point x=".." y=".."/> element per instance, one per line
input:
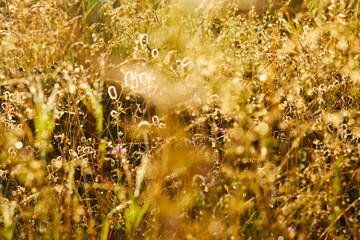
<point x="179" y="120"/>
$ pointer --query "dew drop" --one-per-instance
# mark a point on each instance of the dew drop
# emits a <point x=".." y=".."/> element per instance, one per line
<point x="19" y="145"/>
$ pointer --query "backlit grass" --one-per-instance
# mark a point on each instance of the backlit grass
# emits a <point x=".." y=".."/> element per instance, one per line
<point x="182" y="119"/>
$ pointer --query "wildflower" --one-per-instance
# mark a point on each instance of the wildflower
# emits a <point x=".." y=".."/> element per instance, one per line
<point x="139" y="233"/>
<point x="222" y="131"/>
<point x="117" y="150"/>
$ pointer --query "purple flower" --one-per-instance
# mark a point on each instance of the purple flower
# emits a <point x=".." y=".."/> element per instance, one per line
<point x="139" y="233"/>
<point x="222" y="131"/>
<point x="119" y="149"/>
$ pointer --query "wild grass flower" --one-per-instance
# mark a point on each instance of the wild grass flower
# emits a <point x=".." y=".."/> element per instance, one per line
<point x="155" y="120"/>
<point x="112" y="92"/>
<point x="155" y="53"/>
<point x="144" y="38"/>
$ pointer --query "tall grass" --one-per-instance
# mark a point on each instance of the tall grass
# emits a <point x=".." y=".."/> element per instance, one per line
<point x="179" y="120"/>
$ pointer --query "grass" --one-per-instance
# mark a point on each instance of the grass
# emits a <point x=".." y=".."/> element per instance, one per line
<point x="179" y="119"/>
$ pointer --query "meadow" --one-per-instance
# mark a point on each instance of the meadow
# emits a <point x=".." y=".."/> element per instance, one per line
<point x="179" y="119"/>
